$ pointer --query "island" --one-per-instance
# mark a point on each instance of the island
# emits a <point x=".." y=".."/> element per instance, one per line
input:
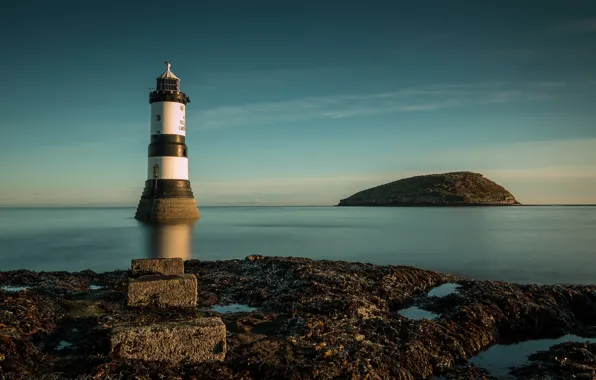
<point x="447" y="189"/>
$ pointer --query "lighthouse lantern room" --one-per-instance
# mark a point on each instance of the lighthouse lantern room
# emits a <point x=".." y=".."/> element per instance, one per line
<point x="167" y="195"/>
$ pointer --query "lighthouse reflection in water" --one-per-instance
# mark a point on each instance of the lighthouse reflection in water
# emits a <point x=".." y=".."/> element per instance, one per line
<point x="169" y="240"/>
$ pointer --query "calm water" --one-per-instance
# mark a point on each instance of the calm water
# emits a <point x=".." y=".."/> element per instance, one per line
<point x="522" y="244"/>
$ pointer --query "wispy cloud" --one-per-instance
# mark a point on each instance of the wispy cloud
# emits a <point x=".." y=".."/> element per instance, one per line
<point x="576" y="26"/>
<point x="415" y="99"/>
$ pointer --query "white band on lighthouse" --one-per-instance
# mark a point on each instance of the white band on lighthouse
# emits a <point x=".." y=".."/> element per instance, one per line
<point x="167" y="168"/>
<point x="168" y="118"/>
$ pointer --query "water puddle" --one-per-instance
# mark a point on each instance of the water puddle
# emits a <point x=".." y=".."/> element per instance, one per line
<point x="13" y="289"/>
<point x="417" y="313"/>
<point x="444" y="290"/>
<point x="498" y="360"/>
<point x="62" y="345"/>
<point x="233" y="308"/>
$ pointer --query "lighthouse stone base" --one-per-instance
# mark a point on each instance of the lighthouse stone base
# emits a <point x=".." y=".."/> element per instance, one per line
<point x="167" y="201"/>
<point x="167" y="209"/>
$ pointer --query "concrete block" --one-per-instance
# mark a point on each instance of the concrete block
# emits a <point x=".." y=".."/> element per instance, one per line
<point x="163" y="291"/>
<point x="194" y="341"/>
<point x="162" y="266"/>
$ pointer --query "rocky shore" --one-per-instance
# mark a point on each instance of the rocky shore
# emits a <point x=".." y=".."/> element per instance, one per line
<point x="311" y="320"/>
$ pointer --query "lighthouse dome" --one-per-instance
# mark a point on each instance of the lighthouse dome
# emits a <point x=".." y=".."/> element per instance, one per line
<point x="168" y="81"/>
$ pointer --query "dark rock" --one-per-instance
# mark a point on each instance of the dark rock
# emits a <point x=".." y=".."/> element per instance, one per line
<point x="570" y="360"/>
<point x="254" y="257"/>
<point x="468" y="372"/>
<point x="448" y="189"/>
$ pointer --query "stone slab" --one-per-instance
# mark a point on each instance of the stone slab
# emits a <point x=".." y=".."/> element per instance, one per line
<point x="193" y="341"/>
<point x="163" y="291"/>
<point x="161" y="266"/>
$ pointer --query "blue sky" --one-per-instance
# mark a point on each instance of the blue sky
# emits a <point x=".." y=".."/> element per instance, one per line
<point x="299" y="102"/>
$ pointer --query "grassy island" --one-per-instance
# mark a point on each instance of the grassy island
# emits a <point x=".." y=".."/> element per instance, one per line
<point x="447" y="189"/>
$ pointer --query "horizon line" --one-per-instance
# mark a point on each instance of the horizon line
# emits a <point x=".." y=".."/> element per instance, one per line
<point x="229" y="206"/>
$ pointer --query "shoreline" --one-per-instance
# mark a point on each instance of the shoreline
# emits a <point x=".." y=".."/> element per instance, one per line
<point x="312" y="319"/>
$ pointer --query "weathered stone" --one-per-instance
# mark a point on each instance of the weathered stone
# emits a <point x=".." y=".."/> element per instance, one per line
<point x="167" y="209"/>
<point x="162" y="266"/>
<point x="163" y="291"/>
<point x="194" y="341"/>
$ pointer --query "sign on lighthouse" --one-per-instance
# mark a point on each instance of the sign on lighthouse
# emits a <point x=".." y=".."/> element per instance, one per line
<point x="167" y="195"/>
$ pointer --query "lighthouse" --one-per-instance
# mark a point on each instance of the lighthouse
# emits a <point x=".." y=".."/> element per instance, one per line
<point x="167" y="195"/>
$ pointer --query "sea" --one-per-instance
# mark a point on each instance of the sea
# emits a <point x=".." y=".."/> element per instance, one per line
<point x="537" y="244"/>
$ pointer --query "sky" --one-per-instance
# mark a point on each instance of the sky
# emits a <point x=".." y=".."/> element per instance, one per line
<point x="299" y="102"/>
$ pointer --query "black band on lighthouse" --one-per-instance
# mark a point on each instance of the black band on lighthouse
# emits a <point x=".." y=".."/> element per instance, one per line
<point x="168" y="150"/>
<point x="167" y="188"/>
<point x="167" y="146"/>
<point x="168" y="96"/>
<point x="176" y="139"/>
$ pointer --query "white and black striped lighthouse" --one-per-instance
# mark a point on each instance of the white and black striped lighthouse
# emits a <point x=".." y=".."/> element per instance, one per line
<point x="167" y="195"/>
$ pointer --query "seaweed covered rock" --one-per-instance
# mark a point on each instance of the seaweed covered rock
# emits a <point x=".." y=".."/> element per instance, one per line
<point x="570" y="360"/>
<point x="447" y="189"/>
<point x="313" y="319"/>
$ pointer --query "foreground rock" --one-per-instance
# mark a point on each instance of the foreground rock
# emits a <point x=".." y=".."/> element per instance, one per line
<point x="195" y="341"/>
<point x="161" y="267"/>
<point x="163" y="291"/>
<point x="448" y="189"/>
<point x="161" y="282"/>
<point x="314" y="320"/>
<point x="561" y="362"/>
